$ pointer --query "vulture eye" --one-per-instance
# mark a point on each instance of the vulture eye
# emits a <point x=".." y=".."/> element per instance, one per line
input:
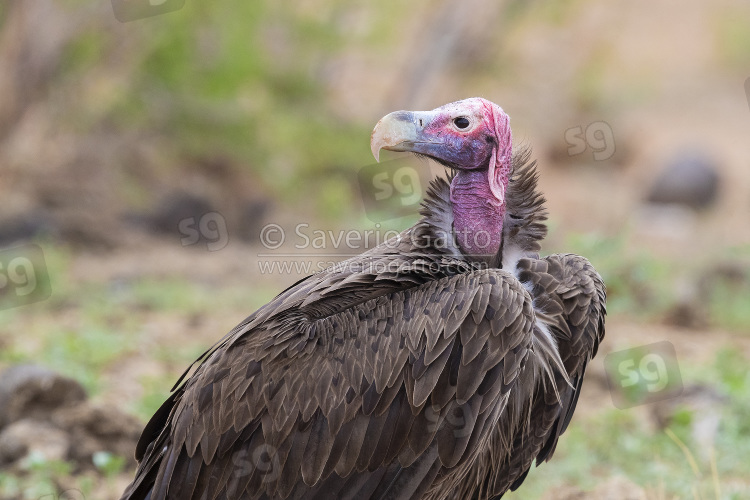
<point x="461" y="122"/>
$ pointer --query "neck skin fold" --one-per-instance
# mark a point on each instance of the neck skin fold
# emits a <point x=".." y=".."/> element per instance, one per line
<point x="477" y="214"/>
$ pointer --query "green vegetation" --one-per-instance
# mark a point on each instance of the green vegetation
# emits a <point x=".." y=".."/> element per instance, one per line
<point x="42" y="480"/>
<point x="667" y="463"/>
<point x="730" y="304"/>
<point x="733" y="37"/>
<point x="108" y="323"/>
<point x="647" y="287"/>
<point x="241" y="83"/>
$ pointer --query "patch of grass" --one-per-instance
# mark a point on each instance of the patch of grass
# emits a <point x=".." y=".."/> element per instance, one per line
<point x="166" y="295"/>
<point x="41" y="479"/>
<point x="83" y="354"/>
<point x="647" y="287"/>
<point x="109" y="464"/>
<point x="638" y="284"/>
<point x="620" y="443"/>
<point x="729" y="304"/>
<point x="589" y="84"/>
<point x="554" y="13"/>
<point x="733" y="37"/>
<point x="84" y="328"/>
<point x="156" y="390"/>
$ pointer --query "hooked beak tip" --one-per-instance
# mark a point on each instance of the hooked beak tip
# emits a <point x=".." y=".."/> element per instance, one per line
<point x="375" y="152"/>
<point x="391" y="131"/>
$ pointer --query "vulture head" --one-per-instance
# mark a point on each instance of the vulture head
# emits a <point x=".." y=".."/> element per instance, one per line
<point x="473" y="138"/>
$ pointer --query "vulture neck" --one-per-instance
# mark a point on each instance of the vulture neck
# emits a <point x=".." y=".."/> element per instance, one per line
<point x="477" y="214"/>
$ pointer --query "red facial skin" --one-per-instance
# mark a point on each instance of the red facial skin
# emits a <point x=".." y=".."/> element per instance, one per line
<point x="482" y="155"/>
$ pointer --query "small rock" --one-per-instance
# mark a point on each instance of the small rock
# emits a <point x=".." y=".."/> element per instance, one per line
<point x="252" y="218"/>
<point x="175" y="208"/>
<point x="29" y="391"/>
<point x="31" y="438"/>
<point x="687" y="314"/>
<point x="26" y="227"/>
<point x="98" y="428"/>
<point x="674" y="223"/>
<point x="689" y="308"/>
<point x="46" y="415"/>
<point x="733" y="274"/>
<point x="690" y="179"/>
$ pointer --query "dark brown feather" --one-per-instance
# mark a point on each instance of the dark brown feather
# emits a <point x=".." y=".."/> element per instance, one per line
<point x="405" y="371"/>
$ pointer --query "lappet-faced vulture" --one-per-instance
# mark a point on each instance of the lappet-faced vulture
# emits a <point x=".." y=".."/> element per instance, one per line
<point x="440" y="364"/>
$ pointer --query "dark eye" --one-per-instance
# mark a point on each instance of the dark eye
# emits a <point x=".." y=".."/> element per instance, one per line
<point x="461" y="122"/>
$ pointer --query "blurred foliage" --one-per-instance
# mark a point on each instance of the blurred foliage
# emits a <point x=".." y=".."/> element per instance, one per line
<point x="732" y="33"/>
<point x="648" y="287"/>
<point x="637" y="282"/>
<point x="588" y="86"/>
<point x="155" y="391"/>
<point x="551" y="13"/>
<point x="108" y="463"/>
<point x="730" y="305"/>
<point x="42" y="479"/>
<point x="244" y="83"/>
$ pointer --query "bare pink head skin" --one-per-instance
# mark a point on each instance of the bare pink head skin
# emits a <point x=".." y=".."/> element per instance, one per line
<point x="473" y="137"/>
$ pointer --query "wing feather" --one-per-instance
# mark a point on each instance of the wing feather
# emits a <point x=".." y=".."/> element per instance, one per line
<point x="571" y="301"/>
<point x="337" y="391"/>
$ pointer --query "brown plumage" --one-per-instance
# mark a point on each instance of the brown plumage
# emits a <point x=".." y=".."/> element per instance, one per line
<point x="410" y="371"/>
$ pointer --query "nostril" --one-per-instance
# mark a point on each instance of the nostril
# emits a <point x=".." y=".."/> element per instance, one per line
<point x="420" y="122"/>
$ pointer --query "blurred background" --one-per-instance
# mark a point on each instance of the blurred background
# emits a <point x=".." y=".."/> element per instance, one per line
<point x="146" y="148"/>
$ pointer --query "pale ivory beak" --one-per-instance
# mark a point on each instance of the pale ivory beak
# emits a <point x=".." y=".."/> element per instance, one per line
<point x="396" y="131"/>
